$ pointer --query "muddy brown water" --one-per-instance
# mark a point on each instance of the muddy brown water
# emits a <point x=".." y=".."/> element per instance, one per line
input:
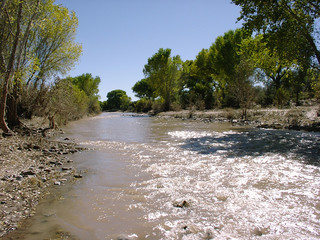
<point x="149" y="178"/>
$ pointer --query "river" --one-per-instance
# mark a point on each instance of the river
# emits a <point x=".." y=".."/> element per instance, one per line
<point x="151" y="178"/>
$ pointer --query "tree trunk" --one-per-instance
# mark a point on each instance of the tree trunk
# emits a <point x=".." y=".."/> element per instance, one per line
<point x="12" y="105"/>
<point x="12" y="115"/>
<point x="8" y="73"/>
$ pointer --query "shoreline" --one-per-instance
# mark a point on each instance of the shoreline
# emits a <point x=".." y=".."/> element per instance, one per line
<point x="29" y="165"/>
<point x="305" y="118"/>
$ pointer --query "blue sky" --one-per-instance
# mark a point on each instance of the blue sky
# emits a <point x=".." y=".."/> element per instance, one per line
<point x="118" y="36"/>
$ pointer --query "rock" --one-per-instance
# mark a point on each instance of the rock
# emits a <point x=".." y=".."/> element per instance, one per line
<point x="77" y="176"/>
<point x="66" y="168"/>
<point x="183" y="204"/>
<point x="36" y="147"/>
<point x="19" y="178"/>
<point x="57" y="183"/>
<point x="28" y="173"/>
<point x="66" y="139"/>
<point x="5" y="178"/>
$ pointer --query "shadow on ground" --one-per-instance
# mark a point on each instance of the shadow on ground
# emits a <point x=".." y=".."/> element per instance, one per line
<point x="305" y="146"/>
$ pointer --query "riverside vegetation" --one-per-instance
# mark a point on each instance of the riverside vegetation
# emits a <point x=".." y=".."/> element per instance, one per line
<point x="37" y="43"/>
<point x="273" y="61"/>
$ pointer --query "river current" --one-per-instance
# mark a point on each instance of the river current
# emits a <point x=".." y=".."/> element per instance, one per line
<point x="150" y="178"/>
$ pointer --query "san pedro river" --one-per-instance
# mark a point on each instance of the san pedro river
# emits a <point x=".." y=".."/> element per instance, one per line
<point x="151" y="178"/>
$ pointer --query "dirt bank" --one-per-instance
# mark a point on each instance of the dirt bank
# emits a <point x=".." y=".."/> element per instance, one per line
<point x="29" y="164"/>
<point x="297" y="118"/>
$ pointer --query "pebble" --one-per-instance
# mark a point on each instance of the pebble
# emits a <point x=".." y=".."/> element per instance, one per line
<point x="66" y="168"/>
<point x="26" y="172"/>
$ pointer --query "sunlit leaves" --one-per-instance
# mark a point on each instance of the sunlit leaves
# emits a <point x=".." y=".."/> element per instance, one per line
<point x="162" y="70"/>
<point x="292" y="25"/>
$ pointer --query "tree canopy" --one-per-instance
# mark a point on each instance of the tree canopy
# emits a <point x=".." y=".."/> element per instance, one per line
<point x="117" y="100"/>
<point x="290" y="25"/>
<point x="162" y="71"/>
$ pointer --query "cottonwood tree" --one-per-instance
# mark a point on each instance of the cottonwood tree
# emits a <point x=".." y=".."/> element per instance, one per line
<point x="53" y="49"/>
<point x="270" y="67"/>
<point x="117" y="100"/>
<point x="11" y="21"/>
<point x="291" y="25"/>
<point x="90" y="85"/>
<point x="200" y="83"/>
<point x="163" y="71"/>
<point x="223" y="60"/>
<point x="143" y="89"/>
<point x="37" y="41"/>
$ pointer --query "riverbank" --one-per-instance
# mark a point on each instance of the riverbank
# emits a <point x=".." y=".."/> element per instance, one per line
<point x="296" y="118"/>
<point x="30" y="164"/>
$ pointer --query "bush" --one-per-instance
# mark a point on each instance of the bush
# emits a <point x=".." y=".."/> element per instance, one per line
<point x="158" y="106"/>
<point x="143" y="105"/>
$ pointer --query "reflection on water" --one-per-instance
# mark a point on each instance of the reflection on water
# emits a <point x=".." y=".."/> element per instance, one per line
<point x="169" y="179"/>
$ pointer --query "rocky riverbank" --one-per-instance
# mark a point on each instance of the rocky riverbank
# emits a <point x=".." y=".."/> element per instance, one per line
<point x="29" y="164"/>
<point x="297" y="118"/>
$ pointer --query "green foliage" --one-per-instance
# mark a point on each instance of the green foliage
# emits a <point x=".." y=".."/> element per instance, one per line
<point x="279" y="58"/>
<point x="143" y="105"/>
<point x="223" y="59"/>
<point x="66" y="101"/>
<point x="90" y="86"/>
<point x="117" y="100"/>
<point x="37" y="43"/>
<point x="199" y="83"/>
<point x="143" y="89"/>
<point x="163" y="73"/>
<point x="290" y="25"/>
<point x="87" y="83"/>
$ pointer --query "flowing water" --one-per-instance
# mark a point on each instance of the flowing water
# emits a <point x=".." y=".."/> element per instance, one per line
<point x="149" y="178"/>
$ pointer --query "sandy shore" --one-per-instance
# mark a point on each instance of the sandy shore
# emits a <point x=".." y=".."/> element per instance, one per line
<point x="297" y="118"/>
<point x="29" y="164"/>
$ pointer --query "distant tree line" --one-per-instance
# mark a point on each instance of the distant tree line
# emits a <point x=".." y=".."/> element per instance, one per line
<point x="273" y="60"/>
<point x="117" y="100"/>
<point x="37" y="43"/>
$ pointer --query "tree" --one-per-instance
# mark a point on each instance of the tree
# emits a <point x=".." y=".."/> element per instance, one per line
<point x="143" y="89"/>
<point x="117" y="100"/>
<point x="65" y="101"/>
<point x="8" y="66"/>
<point x="90" y="85"/>
<point x="37" y="41"/>
<point x="291" y="25"/>
<point x="271" y="68"/>
<point x="199" y="83"/>
<point x="242" y="87"/>
<point x="163" y="72"/>
<point x="52" y="48"/>
<point x="223" y="60"/>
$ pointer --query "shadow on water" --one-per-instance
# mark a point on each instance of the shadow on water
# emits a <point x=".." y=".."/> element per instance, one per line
<point x="304" y="146"/>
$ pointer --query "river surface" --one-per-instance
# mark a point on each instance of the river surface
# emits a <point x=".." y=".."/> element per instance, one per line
<point x="150" y="178"/>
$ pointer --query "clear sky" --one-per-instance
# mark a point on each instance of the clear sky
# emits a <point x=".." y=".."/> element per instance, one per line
<point x="118" y="36"/>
